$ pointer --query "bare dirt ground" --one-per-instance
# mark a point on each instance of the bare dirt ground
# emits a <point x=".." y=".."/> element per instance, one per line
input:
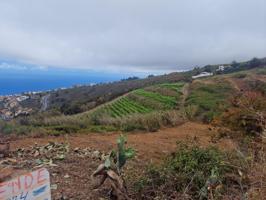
<point x="150" y="146"/>
<point x="70" y="179"/>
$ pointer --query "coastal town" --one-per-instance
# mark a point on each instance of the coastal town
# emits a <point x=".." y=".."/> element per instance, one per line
<point x="15" y="105"/>
<point x="11" y="106"/>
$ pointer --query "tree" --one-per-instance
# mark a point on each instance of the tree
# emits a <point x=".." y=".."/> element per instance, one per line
<point x="255" y="62"/>
<point x="234" y="64"/>
<point x="150" y="76"/>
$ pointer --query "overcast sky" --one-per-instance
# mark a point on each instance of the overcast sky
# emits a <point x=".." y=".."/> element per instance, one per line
<point x="138" y="35"/>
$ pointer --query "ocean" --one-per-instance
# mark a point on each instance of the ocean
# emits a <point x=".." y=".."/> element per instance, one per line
<point x="15" y="82"/>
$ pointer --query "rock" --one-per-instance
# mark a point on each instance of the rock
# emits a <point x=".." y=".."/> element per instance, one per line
<point x="60" y="157"/>
<point x="36" y="154"/>
<point x="63" y="197"/>
<point x="66" y="176"/>
<point x="96" y="154"/>
<point x="54" y="187"/>
<point x="104" y="157"/>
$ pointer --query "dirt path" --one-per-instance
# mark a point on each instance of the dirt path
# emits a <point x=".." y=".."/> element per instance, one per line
<point x="150" y="146"/>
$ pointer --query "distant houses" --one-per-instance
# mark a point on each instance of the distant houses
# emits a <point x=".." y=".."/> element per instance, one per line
<point x="203" y="74"/>
<point x="10" y="106"/>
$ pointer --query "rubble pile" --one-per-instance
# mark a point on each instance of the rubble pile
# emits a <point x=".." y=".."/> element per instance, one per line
<point x="48" y="155"/>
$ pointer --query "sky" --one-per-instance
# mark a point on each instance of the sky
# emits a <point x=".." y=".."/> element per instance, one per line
<point x="122" y="36"/>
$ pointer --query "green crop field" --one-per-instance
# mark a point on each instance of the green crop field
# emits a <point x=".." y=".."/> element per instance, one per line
<point x="167" y="89"/>
<point x="168" y="101"/>
<point x="123" y="107"/>
<point x="144" y="101"/>
<point x="173" y="86"/>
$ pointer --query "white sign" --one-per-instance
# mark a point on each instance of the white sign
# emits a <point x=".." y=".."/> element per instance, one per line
<point x="31" y="186"/>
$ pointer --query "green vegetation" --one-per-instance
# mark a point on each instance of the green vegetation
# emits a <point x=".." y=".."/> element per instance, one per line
<point x="174" y="86"/>
<point x="261" y="71"/>
<point x="247" y="114"/>
<point x="240" y="75"/>
<point x="112" y="169"/>
<point x="123" y="107"/>
<point x="192" y="172"/>
<point x="142" y="109"/>
<point x="210" y="99"/>
<point x="81" y="99"/>
<point x="259" y="86"/>
<point x="168" y="101"/>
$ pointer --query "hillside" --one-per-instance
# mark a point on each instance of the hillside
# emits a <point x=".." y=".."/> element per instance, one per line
<point x="80" y="99"/>
<point x="170" y="102"/>
<point x="193" y="138"/>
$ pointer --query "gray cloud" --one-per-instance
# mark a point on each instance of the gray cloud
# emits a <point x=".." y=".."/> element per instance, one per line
<point x="132" y="34"/>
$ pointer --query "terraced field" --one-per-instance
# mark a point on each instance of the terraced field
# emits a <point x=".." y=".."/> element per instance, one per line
<point x="173" y="86"/>
<point x="122" y="107"/>
<point x="168" y="101"/>
<point x="154" y="98"/>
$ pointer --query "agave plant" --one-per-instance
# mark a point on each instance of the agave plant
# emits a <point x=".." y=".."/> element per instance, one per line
<point x="112" y="167"/>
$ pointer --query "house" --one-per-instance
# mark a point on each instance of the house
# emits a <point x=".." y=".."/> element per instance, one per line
<point x="22" y="98"/>
<point x="202" y="74"/>
<point x="220" y="68"/>
<point x="5" y="114"/>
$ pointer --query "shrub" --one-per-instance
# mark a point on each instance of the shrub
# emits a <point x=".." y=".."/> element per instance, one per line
<point x="102" y="129"/>
<point x="63" y="129"/>
<point x="248" y="113"/>
<point x="192" y="172"/>
<point x="240" y="75"/>
<point x="261" y="71"/>
<point x="190" y="111"/>
<point x="8" y="128"/>
<point x="151" y="121"/>
<point x="144" y="122"/>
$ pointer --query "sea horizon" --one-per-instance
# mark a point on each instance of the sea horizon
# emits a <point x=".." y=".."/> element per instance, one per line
<point x="17" y="82"/>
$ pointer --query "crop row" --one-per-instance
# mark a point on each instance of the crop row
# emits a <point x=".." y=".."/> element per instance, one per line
<point x="123" y="107"/>
<point x="174" y="86"/>
<point x="167" y="100"/>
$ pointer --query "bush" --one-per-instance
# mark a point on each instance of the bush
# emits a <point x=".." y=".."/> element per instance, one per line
<point x="63" y="129"/>
<point x="151" y="122"/>
<point x="190" y="111"/>
<point x="102" y="129"/>
<point x="192" y="171"/>
<point x="247" y="115"/>
<point x="240" y="75"/>
<point x="8" y="128"/>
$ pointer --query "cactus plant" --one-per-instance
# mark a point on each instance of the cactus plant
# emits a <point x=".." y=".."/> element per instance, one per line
<point x="112" y="167"/>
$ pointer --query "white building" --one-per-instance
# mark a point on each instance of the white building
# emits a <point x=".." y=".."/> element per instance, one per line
<point x="22" y="98"/>
<point x="202" y="74"/>
<point x="220" y="68"/>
